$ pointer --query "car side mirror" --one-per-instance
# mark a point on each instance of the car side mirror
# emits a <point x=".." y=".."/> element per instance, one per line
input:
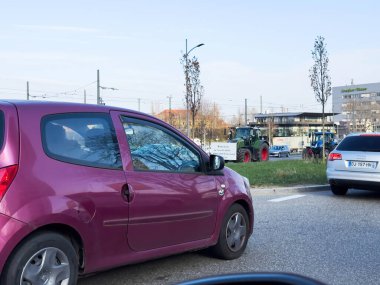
<point x="216" y="162"/>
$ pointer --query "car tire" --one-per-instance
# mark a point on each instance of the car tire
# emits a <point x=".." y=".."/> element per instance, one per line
<point x="50" y="254"/>
<point x="338" y="190"/>
<point x="234" y="234"/>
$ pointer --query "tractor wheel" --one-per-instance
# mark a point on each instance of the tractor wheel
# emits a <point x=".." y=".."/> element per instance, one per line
<point x="327" y="152"/>
<point x="244" y="155"/>
<point x="307" y="153"/>
<point x="263" y="152"/>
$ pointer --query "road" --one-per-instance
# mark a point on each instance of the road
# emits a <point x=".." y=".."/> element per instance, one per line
<point x="332" y="239"/>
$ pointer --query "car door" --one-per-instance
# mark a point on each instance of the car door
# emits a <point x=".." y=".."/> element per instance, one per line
<point x="83" y="165"/>
<point x="172" y="200"/>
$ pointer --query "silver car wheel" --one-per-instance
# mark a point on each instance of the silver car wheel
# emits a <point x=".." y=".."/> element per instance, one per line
<point x="48" y="266"/>
<point x="236" y="232"/>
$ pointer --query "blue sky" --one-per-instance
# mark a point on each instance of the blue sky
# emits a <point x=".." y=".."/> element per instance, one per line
<point x="252" y="49"/>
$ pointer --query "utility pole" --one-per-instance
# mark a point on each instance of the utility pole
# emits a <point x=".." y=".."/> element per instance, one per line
<point x="261" y="104"/>
<point x="99" y="99"/>
<point x="245" y="114"/>
<point x="139" y="104"/>
<point x="97" y="88"/>
<point x="84" y="96"/>
<point x="27" y="90"/>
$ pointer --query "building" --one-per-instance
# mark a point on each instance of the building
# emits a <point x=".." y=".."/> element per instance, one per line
<point x="292" y="129"/>
<point x="293" y="124"/>
<point x="177" y="118"/>
<point x="357" y="107"/>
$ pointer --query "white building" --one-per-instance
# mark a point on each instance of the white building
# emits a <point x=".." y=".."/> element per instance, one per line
<point x="357" y="107"/>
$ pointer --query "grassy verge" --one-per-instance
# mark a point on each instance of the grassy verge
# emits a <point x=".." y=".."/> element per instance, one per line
<point x="282" y="173"/>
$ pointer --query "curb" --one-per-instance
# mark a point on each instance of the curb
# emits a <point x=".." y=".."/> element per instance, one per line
<point x="294" y="189"/>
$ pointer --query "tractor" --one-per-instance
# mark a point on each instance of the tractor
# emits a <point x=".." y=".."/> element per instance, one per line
<point x="250" y="145"/>
<point x="315" y="150"/>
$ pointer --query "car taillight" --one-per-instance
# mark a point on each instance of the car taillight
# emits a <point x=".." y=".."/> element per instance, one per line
<point x="335" y="156"/>
<point x="7" y="174"/>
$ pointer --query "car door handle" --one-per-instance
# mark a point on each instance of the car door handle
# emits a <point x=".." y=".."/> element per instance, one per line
<point x="127" y="193"/>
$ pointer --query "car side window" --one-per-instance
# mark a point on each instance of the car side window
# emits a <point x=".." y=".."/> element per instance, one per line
<point x="81" y="138"/>
<point x="154" y="148"/>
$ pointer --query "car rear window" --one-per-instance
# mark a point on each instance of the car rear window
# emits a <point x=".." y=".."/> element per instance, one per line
<point x="2" y="126"/>
<point x="360" y="143"/>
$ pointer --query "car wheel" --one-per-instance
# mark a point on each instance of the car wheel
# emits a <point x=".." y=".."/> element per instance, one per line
<point x="43" y="258"/>
<point x="338" y="190"/>
<point x="233" y="235"/>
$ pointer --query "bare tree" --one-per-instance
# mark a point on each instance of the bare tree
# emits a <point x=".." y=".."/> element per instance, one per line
<point x="194" y="88"/>
<point x="320" y="80"/>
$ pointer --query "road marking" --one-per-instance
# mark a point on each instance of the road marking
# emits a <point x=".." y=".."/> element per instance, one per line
<point x="286" y="198"/>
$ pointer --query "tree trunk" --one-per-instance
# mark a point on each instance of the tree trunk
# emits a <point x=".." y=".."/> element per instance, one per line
<point x="193" y="126"/>
<point x="323" y="132"/>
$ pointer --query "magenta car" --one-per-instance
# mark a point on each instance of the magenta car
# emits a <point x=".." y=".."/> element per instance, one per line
<point x="84" y="188"/>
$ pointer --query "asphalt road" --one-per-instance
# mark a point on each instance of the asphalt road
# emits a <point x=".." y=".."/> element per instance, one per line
<point x="333" y="239"/>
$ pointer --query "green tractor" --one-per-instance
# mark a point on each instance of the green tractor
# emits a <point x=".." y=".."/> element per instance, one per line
<point x="250" y="145"/>
<point x="315" y="150"/>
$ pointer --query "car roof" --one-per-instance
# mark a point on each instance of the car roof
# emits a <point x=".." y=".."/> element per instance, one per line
<point x="77" y="107"/>
<point x="375" y="134"/>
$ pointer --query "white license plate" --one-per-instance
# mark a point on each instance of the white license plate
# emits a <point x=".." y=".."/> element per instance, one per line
<point x="362" y="164"/>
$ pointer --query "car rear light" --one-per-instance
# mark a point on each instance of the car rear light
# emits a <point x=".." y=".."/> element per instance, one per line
<point x="7" y="174"/>
<point x="335" y="156"/>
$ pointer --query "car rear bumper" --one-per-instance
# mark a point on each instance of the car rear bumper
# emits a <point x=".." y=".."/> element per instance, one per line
<point x="332" y="173"/>
<point x="354" y="179"/>
<point x="11" y="233"/>
<point x="366" y="185"/>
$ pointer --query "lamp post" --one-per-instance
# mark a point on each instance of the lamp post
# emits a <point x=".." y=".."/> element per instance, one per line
<point x="187" y="86"/>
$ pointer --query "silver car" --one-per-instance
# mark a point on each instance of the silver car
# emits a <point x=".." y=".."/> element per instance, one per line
<point x="279" y="150"/>
<point x="354" y="163"/>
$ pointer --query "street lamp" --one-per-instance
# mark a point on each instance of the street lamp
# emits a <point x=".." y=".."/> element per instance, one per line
<point x="187" y="86"/>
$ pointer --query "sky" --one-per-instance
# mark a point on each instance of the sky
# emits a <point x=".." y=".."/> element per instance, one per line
<point x="251" y="49"/>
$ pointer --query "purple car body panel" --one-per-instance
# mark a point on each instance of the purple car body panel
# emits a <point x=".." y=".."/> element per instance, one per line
<point x="165" y="213"/>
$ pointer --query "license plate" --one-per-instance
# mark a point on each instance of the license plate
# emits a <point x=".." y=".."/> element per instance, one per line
<point x="362" y="164"/>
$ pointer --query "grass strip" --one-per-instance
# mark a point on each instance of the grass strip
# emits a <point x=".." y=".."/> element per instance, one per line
<point x="282" y="173"/>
